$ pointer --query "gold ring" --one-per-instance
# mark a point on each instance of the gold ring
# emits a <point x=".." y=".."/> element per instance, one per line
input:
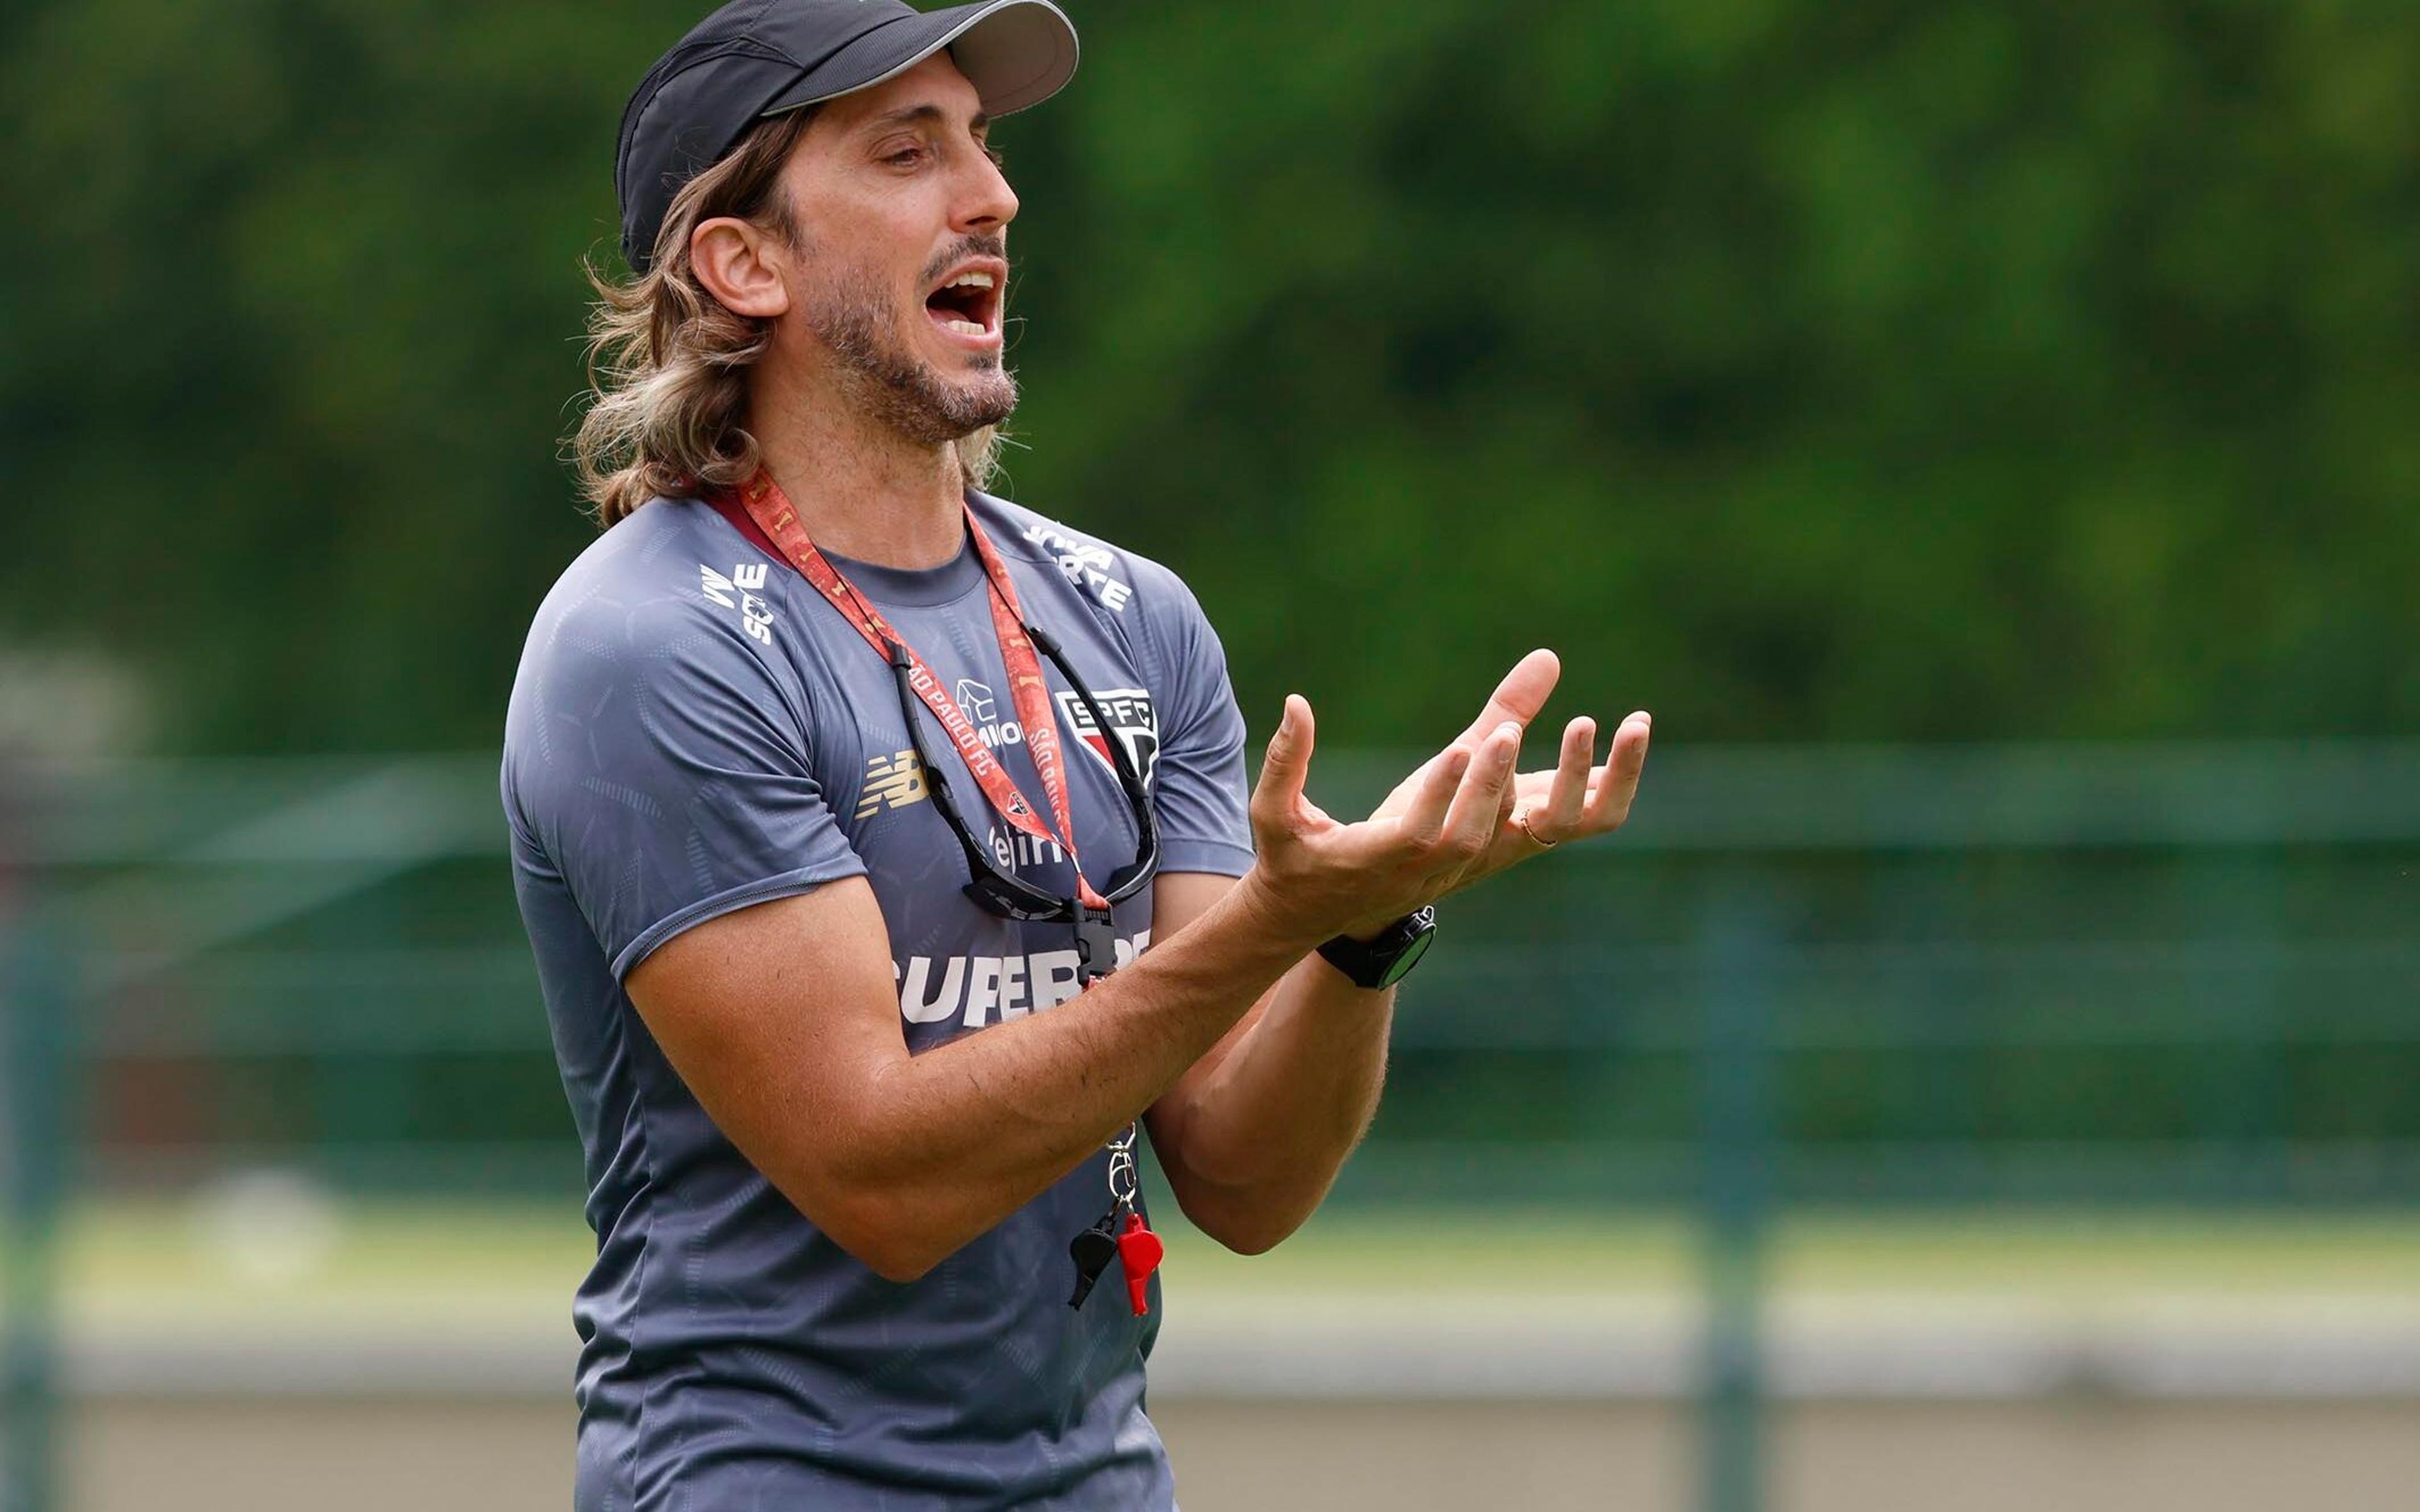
<point x="1521" y="817"/>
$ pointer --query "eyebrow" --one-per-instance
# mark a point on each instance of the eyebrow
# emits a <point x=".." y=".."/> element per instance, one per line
<point x="925" y="114"/>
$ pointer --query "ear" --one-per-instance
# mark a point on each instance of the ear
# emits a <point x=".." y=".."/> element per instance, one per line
<point x="744" y="267"/>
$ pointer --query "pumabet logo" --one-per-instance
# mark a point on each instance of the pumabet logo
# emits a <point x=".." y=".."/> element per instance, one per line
<point x="1134" y="723"/>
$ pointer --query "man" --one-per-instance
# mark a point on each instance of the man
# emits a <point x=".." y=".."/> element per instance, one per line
<point x="836" y="786"/>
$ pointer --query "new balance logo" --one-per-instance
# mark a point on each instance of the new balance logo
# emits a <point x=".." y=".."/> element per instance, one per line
<point x="892" y="781"/>
<point x="738" y="591"/>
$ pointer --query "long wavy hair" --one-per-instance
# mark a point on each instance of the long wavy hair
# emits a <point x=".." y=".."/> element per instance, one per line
<point x="668" y="364"/>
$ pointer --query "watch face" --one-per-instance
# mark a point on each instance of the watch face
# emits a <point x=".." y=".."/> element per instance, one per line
<point x="1410" y="958"/>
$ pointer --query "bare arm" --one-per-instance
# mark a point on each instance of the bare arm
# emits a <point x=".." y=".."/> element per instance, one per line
<point x="782" y="1018"/>
<point x="1255" y="1135"/>
<point x="1252" y="1136"/>
<point x="783" y="1021"/>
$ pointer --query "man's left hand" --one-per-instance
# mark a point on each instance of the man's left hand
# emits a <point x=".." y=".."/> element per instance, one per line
<point x="1574" y="800"/>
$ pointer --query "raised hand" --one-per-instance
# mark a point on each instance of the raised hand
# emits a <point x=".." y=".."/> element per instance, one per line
<point x="1324" y="877"/>
<point x="1542" y="809"/>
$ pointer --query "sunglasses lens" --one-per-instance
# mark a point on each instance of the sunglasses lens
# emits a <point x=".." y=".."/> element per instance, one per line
<point x="993" y="897"/>
<point x="998" y="896"/>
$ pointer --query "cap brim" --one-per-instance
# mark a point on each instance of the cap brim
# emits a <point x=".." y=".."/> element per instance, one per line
<point x="1015" y="52"/>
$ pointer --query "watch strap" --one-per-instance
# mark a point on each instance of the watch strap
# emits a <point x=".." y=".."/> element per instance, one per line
<point x="1386" y="960"/>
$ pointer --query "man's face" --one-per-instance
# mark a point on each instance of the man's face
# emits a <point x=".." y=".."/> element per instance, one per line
<point x="901" y="255"/>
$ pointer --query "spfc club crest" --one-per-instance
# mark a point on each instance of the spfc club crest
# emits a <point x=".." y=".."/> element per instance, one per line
<point x="1133" y="722"/>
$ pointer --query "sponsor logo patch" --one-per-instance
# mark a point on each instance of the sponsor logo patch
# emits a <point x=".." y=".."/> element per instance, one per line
<point x="892" y="781"/>
<point x="983" y="707"/>
<point x="740" y="591"/>
<point x="977" y="990"/>
<point x="1087" y="563"/>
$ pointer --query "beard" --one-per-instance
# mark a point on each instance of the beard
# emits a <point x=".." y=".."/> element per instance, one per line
<point x="853" y="318"/>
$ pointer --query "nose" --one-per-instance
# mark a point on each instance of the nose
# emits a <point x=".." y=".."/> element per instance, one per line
<point x="986" y="203"/>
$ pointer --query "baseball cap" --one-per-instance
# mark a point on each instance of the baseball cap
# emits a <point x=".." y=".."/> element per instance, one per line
<point x="754" y="58"/>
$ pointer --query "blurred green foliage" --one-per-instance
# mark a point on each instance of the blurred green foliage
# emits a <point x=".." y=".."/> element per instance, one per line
<point x="1803" y="370"/>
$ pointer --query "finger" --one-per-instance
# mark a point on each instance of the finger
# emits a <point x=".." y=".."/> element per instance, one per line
<point x="1560" y="814"/>
<point x="1520" y="696"/>
<point x="1624" y="760"/>
<point x="1425" y="821"/>
<point x="1277" y="800"/>
<point x="1617" y="782"/>
<point x="1506" y="800"/>
<point x="1478" y="810"/>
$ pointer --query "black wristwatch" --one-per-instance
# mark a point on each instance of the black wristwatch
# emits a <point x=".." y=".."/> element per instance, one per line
<point x="1387" y="958"/>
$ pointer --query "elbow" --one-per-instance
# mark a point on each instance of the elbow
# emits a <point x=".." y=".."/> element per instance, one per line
<point x="878" y="1231"/>
<point x="1246" y="1220"/>
<point x="1249" y="1232"/>
<point x="885" y="1252"/>
<point x="1251" y="1240"/>
<point x="893" y="1254"/>
<point x="900" y="1268"/>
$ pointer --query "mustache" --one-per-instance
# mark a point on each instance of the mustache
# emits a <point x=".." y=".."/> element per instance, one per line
<point x="980" y="245"/>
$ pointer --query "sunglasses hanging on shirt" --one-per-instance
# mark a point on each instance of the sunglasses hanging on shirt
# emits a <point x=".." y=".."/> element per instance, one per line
<point x="1000" y="891"/>
<point x="1121" y="1233"/>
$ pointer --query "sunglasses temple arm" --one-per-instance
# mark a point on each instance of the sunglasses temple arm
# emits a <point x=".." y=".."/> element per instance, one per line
<point x="934" y="782"/>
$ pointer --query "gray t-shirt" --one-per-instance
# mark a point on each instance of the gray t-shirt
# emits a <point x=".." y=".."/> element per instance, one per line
<point x="695" y="730"/>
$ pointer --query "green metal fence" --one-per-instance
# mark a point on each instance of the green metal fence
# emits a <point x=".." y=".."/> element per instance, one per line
<point x="2055" y="975"/>
<point x="35" y="1023"/>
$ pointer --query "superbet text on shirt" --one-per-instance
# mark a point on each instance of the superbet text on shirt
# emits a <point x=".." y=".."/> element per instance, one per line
<point x="692" y="731"/>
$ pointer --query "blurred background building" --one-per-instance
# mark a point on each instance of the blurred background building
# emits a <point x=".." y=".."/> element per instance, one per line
<point x="1986" y="435"/>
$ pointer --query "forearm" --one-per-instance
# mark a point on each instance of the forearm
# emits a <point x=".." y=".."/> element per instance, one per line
<point x="780" y="1018"/>
<point x="946" y="1144"/>
<point x="1254" y="1148"/>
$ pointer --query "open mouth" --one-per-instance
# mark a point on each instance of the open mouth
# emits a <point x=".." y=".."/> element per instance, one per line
<point x="967" y="303"/>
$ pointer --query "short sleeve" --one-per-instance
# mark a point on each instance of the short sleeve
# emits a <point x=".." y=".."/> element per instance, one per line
<point x="662" y="767"/>
<point x="1198" y="790"/>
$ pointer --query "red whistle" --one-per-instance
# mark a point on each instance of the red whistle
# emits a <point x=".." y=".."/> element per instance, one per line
<point x="1138" y="1253"/>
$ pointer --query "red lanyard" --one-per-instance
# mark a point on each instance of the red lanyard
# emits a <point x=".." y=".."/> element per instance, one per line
<point x="774" y="514"/>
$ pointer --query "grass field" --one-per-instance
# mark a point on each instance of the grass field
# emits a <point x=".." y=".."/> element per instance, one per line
<point x="259" y="1347"/>
<point x="230" y="1251"/>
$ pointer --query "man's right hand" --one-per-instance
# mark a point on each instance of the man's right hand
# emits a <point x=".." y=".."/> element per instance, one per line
<point x="1318" y="877"/>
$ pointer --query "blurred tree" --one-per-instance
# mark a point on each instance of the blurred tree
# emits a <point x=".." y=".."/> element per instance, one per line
<point x="1801" y="370"/>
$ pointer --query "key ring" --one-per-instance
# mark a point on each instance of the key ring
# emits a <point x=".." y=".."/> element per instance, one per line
<point x="1124" y="1183"/>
